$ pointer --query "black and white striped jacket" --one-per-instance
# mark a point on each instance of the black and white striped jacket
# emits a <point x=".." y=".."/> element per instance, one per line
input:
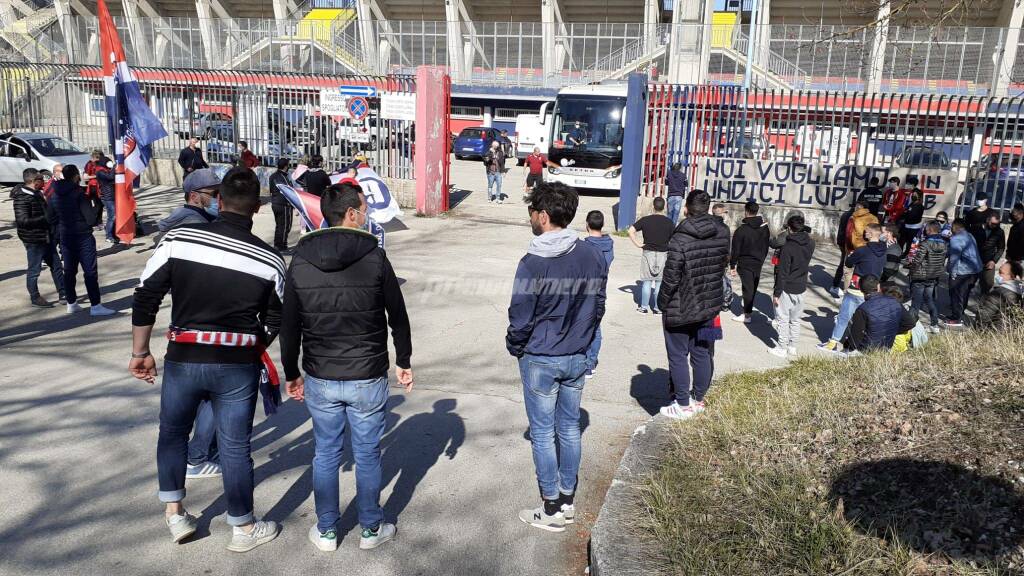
<point x="223" y="278"/>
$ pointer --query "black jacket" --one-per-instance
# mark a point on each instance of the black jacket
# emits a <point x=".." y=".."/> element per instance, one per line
<point x="750" y="243"/>
<point x="929" y="262"/>
<point x="31" y="216"/>
<point x="913" y="215"/>
<point x="74" y="213"/>
<point x="873" y="196"/>
<point x="279" y="177"/>
<point x="222" y="278"/>
<point x="794" y="260"/>
<point x="691" y="288"/>
<point x="341" y="294"/>
<point x="189" y="158"/>
<point x="1015" y="244"/>
<point x="106" y="179"/>
<point x="315" y="181"/>
<point x="992" y="248"/>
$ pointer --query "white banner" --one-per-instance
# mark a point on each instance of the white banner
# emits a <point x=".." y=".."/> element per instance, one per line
<point x="333" y="103"/>
<point x="813" y="185"/>
<point x="398" y="106"/>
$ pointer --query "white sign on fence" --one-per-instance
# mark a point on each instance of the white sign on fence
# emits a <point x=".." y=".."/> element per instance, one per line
<point x="398" y="106"/>
<point x="333" y="103"/>
<point x="813" y="185"/>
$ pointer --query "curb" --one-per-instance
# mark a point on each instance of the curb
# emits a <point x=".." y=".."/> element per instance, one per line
<point x="614" y="551"/>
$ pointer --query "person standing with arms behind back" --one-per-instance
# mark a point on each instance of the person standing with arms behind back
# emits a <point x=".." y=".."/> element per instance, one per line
<point x="691" y="298"/>
<point x="657" y="229"/>
<point x="677" y="183"/>
<point x="558" y="300"/>
<point x="749" y="250"/>
<point x="227" y="286"/>
<point x="341" y="294"/>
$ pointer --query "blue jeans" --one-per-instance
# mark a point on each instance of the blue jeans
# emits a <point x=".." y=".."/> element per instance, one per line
<point x="231" y="390"/>
<point x="922" y="292"/>
<point x="849" y="305"/>
<point x="80" y="249"/>
<point x="494" y="181"/>
<point x="675" y="207"/>
<point x="647" y="288"/>
<point x="203" y="445"/>
<point x="37" y="254"/>
<point x="594" y="349"/>
<point x="362" y="404"/>
<point x="108" y="228"/>
<point x="552" y="390"/>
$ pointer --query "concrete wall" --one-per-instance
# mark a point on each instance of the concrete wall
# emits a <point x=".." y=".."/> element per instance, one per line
<point x="166" y="172"/>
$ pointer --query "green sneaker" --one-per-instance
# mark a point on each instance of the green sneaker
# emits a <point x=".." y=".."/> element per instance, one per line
<point x="371" y="539"/>
<point x="324" y="541"/>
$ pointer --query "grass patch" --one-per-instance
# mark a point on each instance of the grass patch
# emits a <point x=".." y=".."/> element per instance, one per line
<point x="883" y="464"/>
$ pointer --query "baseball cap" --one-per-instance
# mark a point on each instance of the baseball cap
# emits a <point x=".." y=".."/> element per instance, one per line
<point x="203" y="178"/>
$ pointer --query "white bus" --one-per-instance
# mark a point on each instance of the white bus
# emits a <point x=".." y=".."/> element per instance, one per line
<point x="586" y="129"/>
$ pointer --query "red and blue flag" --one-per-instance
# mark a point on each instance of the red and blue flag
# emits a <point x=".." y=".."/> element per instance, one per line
<point x="131" y="125"/>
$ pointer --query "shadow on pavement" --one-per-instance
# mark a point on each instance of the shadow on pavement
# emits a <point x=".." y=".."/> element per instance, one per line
<point x="35" y="328"/>
<point x="650" y="388"/>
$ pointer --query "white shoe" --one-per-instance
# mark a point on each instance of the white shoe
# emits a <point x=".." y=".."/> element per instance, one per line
<point x="677" y="412"/>
<point x="74" y="307"/>
<point x="777" y="351"/>
<point x="263" y="531"/>
<point x="325" y="542"/>
<point x="933" y="329"/>
<point x="792" y="350"/>
<point x="698" y="406"/>
<point x="100" y="310"/>
<point x="738" y="318"/>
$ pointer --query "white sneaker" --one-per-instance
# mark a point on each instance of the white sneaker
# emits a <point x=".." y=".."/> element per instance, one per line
<point x="182" y="526"/>
<point x="569" y="513"/>
<point x="324" y="541"/>
<point x="777" y="351"/>
<point x="74" y="307"/>
<point x="792" y="350"/>
<point x="698" y="406"/>
<point x="263" y="531"/>
<point x="933" y="329"/>
<point x="738" y="318"/>
<point x="836" y="293"/>
<point x="100" y="310"/>
<point x="369" y="540"/>
<point x="677" y="412"/>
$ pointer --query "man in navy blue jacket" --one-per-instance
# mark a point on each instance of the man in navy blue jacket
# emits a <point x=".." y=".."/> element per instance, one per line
<point x="557" y="304"/>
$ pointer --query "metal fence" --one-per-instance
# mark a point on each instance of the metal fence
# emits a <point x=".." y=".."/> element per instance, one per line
<point x="946" y="60"/>
<point x="277" y="114"/>
<point x="978" y="140"/>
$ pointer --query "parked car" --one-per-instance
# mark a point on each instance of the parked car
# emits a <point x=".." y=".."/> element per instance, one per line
<point x="1002" y="194"/>
<point x="203" y="124"/>
<point x="749" y="146"/>
<point x="1004" y="165"/>
<point x="37" y="150"/>
<point x="920" y="156"/>
<point x="474" y="142"/>
<point x="222" y="148"/>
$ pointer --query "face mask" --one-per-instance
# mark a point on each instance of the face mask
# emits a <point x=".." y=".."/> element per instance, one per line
<point x="999" y="280"/>
<point x="213" y="208"/>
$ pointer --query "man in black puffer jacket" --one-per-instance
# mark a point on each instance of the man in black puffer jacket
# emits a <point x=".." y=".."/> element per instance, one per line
<point x="341" y="293"/>
<point x="749" y="250"/>
<point x="690" y="300"/>
<point x="33" y="222"/>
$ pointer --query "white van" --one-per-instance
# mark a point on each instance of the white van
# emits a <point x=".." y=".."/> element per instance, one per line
<point x="531" y="133"/>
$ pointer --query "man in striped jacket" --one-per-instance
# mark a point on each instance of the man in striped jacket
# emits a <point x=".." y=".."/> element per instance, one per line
<point x="227" y="286"/>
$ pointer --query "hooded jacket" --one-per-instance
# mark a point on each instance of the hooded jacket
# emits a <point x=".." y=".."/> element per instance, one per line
<point x="691" y="287"/>
<point x="858" y="224"/>
<point x="929" y="260"/>
<point x="868" y="260"/>
<point x="605" y="244"/>
<point x="750" y="243"/>
<point x="341" y="294"/>
<point x="794" y="260"/>
<point x="558" y="298"/>
<point x="995" y="305"/>
<point x="184" y="215"/>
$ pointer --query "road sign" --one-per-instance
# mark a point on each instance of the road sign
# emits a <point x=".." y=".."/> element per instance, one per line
<point x="365" y="91"/>
<point x="398" y="106"/>
<point x="358" y="107"/>
<point x="333" y="103"/>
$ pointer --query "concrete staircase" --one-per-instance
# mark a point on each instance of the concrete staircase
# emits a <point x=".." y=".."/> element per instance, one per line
<point x="770" y="70"/>
<point x="25" y="36"/>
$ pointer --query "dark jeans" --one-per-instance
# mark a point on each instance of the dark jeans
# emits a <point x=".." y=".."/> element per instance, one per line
<point x="231" y="390"/>
<point x="282" y="224"/>
<point x="960" y="293"/>
<point x="108" y="228"/>
<point x="80" y="249"/>
<point x="203" y="445"/>
<point x="37" y="254"/>
<point x="684" y="352"/>
<point x="749" y="278"/>
<point x="987" y="280"/>
<point x="922" y="293"/>
<point x="837" y="280"/>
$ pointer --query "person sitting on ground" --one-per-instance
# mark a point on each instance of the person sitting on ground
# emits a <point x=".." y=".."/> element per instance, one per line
<point x="868" y="260"/>
<point x="657" y="230"/>
<point x="788" y="295"/>
<point x="747" y="256"/>
<point x="997" y="305"/>
<point x="904" y="340"/>
<point x="927" y="267"/>
<point x="877" y="321"/>
<point x="893" y="251"/>
<point x="201" y="188"/>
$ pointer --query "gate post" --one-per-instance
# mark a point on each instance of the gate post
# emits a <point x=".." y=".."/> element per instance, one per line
<point x="633" y="146"/>
<point x="431" y="153"/>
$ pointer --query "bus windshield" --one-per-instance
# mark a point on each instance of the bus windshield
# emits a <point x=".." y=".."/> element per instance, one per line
<point x="589" y="123"/>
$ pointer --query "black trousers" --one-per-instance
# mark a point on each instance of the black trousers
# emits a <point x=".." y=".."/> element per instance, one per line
<point x="837" y="280"/>
<point x="282" y="225"/>
<point x="749" y="277"/>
